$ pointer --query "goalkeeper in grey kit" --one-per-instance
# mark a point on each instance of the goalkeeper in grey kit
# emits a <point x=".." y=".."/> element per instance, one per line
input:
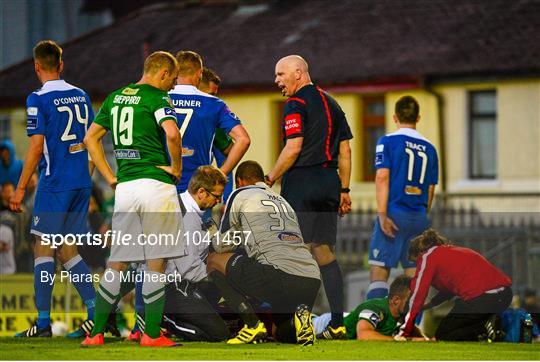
<point x="276" y="267"/>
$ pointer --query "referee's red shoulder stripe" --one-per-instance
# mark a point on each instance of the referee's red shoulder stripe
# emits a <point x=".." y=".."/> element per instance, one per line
<point x="299" y="100"/>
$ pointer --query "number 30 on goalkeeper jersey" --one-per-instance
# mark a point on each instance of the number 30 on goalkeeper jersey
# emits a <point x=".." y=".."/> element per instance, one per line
<point x="61" y="113"/>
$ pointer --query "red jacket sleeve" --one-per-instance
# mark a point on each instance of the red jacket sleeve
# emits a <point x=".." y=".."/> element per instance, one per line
<point x="425" y="270"/>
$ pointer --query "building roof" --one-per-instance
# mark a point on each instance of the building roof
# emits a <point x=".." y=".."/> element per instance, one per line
<point x="346" y="42"/>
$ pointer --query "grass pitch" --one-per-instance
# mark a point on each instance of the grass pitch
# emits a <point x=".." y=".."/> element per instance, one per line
<point x="115" y="349"/>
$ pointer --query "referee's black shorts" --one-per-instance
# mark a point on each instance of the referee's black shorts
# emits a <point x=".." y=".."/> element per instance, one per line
<point x="313" y="193"/>
<point x="265" y="283"/>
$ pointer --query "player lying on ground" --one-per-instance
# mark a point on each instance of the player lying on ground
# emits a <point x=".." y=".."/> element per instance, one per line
<point x="375" y="319"/>
<point x="481" y="289"/>
<point x="278" y="268"/>
<point x="61" y="205"/>
<point x="143" y="127"/>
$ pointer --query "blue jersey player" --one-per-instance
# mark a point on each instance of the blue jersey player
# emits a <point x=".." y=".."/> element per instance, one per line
<point x="210" y="82"/>
<point x="58" y="117"/>
<point x="407" y="172"/>
<point x="199" y="115"/>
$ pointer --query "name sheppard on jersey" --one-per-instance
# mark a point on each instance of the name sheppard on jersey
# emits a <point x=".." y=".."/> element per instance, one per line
<point x="109" y="276"/>
<point x="120" y="99"/>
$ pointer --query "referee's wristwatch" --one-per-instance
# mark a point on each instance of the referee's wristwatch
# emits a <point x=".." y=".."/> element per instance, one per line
<point x="345" y="190"/>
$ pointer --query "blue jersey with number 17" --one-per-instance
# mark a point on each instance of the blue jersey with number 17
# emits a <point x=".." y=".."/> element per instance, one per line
<point x="199" y="115"/>
<point x="61" y="113"/>
<point x="414" y="166"/>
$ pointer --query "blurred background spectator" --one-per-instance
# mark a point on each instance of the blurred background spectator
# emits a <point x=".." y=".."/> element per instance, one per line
<point x="7" y="256"/>
<point x="10" y="167"/>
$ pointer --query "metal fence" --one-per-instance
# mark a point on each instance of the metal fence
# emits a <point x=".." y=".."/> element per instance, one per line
<point x="509" y="239"/>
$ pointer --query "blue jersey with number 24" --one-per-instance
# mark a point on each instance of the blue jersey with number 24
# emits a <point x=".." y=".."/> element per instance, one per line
<point x="61" y="113"/>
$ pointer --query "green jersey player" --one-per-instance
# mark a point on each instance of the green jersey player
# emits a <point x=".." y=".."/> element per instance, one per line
<point x="374" y="319"/>
<point x="143" y="127"/>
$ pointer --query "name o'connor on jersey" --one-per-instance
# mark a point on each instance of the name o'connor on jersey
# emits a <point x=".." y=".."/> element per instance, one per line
<point x="69" y="100"/>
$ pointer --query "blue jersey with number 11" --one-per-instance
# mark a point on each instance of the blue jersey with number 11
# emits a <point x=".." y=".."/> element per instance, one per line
<point x="413" y="165"/>
<point x="199" y="115"/>
<point x="61" y="113"/>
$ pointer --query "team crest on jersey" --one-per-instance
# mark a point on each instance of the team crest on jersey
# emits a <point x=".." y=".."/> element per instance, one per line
<point x="36" y="220"/>
<point x="130" y="91"/>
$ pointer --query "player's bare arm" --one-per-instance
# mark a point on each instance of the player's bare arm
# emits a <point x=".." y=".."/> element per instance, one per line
<point x="286" y="159"/>
<point x="365" y="331"/>
<point x="344" y="166"/>
<point x="382" y="185"/>
<point x="174" y="142"/>
<point x="31" y="161"/>
<point x="431" y="193"/>
<point x="237" y="149"/>
<point x="93" y="142"/>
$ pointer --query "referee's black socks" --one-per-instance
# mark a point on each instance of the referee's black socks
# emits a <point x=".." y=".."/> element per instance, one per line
<point x="333" y="286"/>
<point x="234" y="299"/>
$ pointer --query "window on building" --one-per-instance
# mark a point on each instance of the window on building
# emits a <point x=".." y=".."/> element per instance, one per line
<point x="372" y="129"/>
<point x="5" y="127"/>
<point x="482" y="134"/>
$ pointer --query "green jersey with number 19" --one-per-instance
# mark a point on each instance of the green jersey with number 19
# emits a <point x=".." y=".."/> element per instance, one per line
<point x="134" y="115"/>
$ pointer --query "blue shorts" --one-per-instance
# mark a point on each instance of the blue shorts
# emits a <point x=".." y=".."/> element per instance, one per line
<point x="387" y="252"/>
<point x="61" y="213"/>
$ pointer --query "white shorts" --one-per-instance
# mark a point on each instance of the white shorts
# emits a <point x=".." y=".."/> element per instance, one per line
<point x="147" y="222"/>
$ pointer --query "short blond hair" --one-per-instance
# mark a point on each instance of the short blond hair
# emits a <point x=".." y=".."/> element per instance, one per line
<point x="48" y="54"/>
<point x="189" y="62"/>
<point x="206" y="177"/>
<point x="159" y="60"/>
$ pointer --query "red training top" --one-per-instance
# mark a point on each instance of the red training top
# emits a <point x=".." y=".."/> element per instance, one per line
<point x="451" y="270"/>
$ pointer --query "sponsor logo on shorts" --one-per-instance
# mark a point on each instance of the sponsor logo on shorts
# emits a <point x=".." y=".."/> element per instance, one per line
<point x="36" y="220"/>
<point x="375" y="252"/>
<point x="127" y="154"/>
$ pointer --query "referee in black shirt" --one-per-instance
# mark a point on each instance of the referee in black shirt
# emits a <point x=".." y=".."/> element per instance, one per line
<point x="316" y="166"/>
